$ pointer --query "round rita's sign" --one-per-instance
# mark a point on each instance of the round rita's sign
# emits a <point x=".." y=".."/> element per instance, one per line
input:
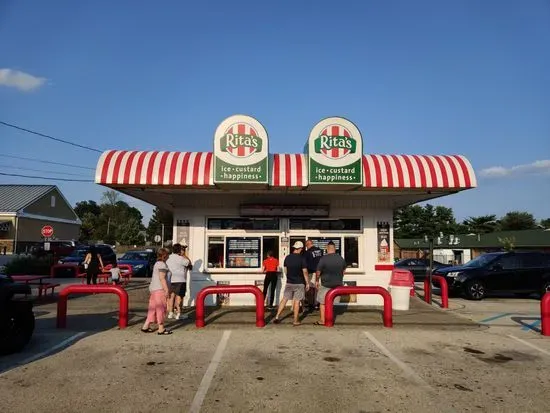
<point x="47" y="231"/>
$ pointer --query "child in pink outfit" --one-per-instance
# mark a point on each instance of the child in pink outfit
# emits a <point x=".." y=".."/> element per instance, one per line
<point x="159" y="293"/>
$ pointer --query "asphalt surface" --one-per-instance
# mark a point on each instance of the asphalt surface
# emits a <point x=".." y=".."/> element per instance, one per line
<point x="432" y="360"/>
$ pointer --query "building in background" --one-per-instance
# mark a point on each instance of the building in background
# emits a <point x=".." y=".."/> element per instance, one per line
<point x="236" y="203"/>
<point x="25" y="210"/>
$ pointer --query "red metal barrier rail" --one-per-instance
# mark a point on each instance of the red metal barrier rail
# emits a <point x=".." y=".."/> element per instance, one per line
<point x="444" y="289"/>
<point x="230" y="289"/>
<point x="345" y="290"/>
<point x="545" y="314"/>
<point x="89" y="289"/>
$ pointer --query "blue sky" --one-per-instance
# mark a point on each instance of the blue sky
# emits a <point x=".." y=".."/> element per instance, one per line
<point x="422" y="77"/>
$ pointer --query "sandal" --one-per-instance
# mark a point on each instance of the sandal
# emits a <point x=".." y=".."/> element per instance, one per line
<point x="296" y="324"/>
<point x="164" y="332"/>
<point x="318" y="323"/>
<point x="147" y="330"/>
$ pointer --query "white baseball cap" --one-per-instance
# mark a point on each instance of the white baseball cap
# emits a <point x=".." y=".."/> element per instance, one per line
<point x="298" y="244"/>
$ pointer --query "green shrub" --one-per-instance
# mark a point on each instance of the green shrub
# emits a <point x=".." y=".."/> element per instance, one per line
<point x="29" y="266"/>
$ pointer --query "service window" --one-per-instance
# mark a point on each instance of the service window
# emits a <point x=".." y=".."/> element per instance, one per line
<point x="215" y="252"/>
<point x="243" y="252"/>
<point x="321" y="242"/>
<point x="351" y="251"/>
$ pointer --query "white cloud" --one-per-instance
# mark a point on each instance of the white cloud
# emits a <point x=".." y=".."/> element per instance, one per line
<point x="537" y="167"/>
<point x="20" y="80"/>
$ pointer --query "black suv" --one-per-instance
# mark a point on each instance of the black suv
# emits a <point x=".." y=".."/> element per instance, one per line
<point x="108" y="256"/>
<point x="516" y="272"/>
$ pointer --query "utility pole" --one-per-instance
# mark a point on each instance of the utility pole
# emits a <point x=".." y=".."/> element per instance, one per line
<point x="162" y="236"/>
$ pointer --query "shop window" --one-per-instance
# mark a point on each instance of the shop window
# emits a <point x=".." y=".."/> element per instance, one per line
<point x="351" y="224"/>
<point x="270" y="244"/>
<point x="351" y="252"/>
<point x="215" y="252"/>
<point x="321" y="242"/>
<point x="270" y="224"/>
<point x="243" y="252"/>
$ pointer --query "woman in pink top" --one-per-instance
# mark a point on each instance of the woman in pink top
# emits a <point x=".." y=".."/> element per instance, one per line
<point x="159" y="293"/>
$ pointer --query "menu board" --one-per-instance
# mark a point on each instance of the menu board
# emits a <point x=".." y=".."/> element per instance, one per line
<point x="243" y="252"/>
<point x="322" y="243"/>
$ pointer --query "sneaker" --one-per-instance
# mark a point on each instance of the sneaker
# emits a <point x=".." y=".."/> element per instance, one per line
<point x="170" y="316"/>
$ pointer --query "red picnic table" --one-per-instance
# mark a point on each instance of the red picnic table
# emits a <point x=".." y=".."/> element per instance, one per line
<point x="37" y="281"/>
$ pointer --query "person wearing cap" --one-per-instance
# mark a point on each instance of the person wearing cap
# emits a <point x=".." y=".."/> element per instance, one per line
<point x="296" y="276"/>
<point x="312" y="255"/>
<point x="329" y="274"/>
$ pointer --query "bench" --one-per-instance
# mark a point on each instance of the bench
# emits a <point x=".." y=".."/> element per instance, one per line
<point x="44" y="287"/>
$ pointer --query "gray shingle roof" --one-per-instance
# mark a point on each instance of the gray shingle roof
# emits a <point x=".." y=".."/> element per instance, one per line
<point x="16" y="197"/>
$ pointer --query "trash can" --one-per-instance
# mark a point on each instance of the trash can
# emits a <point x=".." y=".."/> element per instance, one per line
<point x="401" y="285"/>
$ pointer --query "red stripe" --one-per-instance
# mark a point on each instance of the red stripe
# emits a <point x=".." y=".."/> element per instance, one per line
<point x="334" y="152"/>
<point x="196" y="168"/>
<point x="454" y="171"/>
<point x="253" y="131"/>
<point x="433" y="174"/>
<point x="465" y="171"/>
<point x="423" y="183"/>
<point x="443" y="171"/>
<point x="299" y="181"/>
<point x="383" y="267"/>
<point x="410" y="171"/>
<point x="173" y="166"/>
<point x="325" y="132"/>
<point x="276" y="170"/>
<point x="288" y="172"/>
<point x="400" y="174"/>
<point x="105" y="168"/>
<point x="150" y="168"/>
<point x="162" y="167"/>
<point x="241" y="128"/>
<point x="184" y="167"/>
<point x="117" y="167"/>
<point x="346" y="133"/>
<point x="366" y="172"/>
<point x="128" y="170"/>
<point x="377" y="171"/>
<point x="335" y="131"/>
<point x="388" y="170"/>
<point x="240" y="151"/>
<point x="208" y="168"/>
<point x="139" y="168"/>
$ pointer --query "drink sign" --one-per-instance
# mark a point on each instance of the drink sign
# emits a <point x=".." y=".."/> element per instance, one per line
<point x="383" y="241"/>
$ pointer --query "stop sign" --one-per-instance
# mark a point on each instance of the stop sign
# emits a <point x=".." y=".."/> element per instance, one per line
<point x="47" y="231"/>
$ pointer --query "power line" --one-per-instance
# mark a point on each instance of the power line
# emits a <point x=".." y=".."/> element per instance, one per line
<point x="48" y="136"/>
<point x="41" y="170"/>
<point x="48" y="162"/>
<point x="50" y="178"/>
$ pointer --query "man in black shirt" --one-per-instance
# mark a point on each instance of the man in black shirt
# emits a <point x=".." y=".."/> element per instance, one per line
<point x="312" y="256"/>
<point x="296" y="276"/>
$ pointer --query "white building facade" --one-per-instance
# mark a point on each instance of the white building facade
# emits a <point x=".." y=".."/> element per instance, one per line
<point x="233" y="205"/>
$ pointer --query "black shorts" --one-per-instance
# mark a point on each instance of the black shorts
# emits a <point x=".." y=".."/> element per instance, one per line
<point x="178" y="288"/>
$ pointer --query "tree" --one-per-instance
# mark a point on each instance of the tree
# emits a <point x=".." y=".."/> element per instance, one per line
<point x="481" y="225"/>
<point x="415" y="221"/>
<point x="129" y="232"/>
<point x="160" y="216"/>
<point x="88" y="212"/>
<point x="545" y="223"/>
<point x="517" y="220"/>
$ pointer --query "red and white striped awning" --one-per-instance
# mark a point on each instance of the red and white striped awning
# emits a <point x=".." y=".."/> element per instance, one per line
<point x="155" y="168"/>
<point x="418" y="171"/>
<point x="289" y="170"/>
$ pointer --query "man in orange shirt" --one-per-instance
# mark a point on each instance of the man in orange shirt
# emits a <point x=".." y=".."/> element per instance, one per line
<point x="270" y="267"/>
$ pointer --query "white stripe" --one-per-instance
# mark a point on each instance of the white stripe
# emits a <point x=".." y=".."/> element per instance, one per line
<point x="209" y="375"/>
<point x="189" y="171"/>
<point x="416" y="169"/>
<point x="303" y="160"/>
<point x="211" y="171"/>
<point x="100" y="166"/>
<point x="450" y="176"/>
<point x="282" y="169"/>
<point x="529" y="344"/>
<point x="201" y="165"/>
<point x="169" y="160"/>
<point x="144" y="167"/>
<point x="293" y="169"/>
<point x="383" y="171"/>
<point x="461" y="180"/>
<point x="438" y="171"/>
<point x="156" y="168"/>
<point x="406" y="369"/>
<point x="403" y="165"/>
<point x="111" y="172"/>
<point x="179" y="166"/>
<point x="133" y="168"/>
<point x="123" y="165"/>
<point x="426" y="169"/>
<point x="45" y="353"/>
<point x="473" y="180"/>
<point x="371" y="170"/>
<point x="394" y="174"/>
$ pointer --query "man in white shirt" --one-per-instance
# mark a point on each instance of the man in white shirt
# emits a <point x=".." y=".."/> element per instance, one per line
<point x="179" y="265"/>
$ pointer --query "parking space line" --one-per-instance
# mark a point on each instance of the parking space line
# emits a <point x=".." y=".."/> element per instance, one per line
<point x="529" y="344"/>
<point x="58" y="346"/>
<point x="496" y="317"/>
<point x="533" y="326"/>
<point x="209" y="375"/>
<point x="406" y="369"/>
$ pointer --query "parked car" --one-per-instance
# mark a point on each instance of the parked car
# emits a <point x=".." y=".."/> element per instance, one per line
<point x="58" y="248"/>
<point x="108" y="256"/>
<point x="142" y="262"/>
<point x="515" y="272"/>
<point x="418" y="266"/>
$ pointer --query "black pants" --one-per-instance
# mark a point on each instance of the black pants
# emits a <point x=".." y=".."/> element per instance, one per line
<point x="270" y="280"/>
<point x="91" y="276"/>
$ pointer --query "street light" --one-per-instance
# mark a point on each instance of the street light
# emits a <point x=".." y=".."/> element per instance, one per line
<point x="453" y="240"/>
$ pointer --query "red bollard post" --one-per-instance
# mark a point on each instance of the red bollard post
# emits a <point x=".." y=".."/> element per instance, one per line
<point x="545" y="314"/>
<point x="442" y="285"/>
<point x="88" y="289"/>
<point x="426" y="288"/>
<point x="345" y="290"/>
<point x="229" y="289"/>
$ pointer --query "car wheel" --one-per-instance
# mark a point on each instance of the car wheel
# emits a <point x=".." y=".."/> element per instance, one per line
<point x="17" y="327"/>
<point x="475" y="290"/>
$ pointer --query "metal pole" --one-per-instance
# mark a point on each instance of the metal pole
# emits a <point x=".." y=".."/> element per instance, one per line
<point x="162" y="236"/>
<point x="15" y="236"/>
<point x="429" y="298"/>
